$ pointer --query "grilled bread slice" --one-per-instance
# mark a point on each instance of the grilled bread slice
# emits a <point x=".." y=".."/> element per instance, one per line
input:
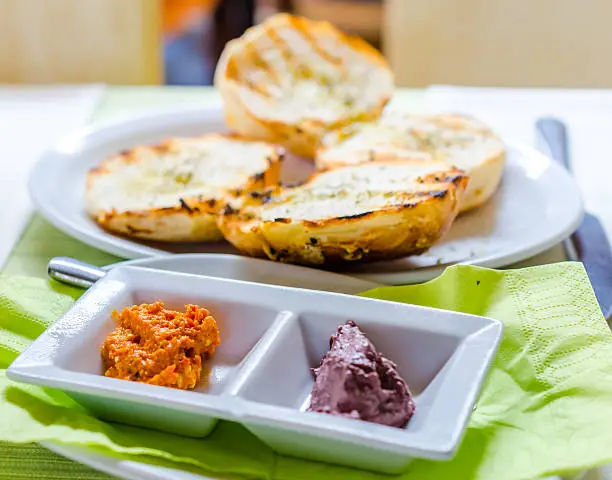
<point x="456" y="140"/>
<point x="173" y="191"/>
<point x="366" y="212"/>
<point x="289" y="80"/>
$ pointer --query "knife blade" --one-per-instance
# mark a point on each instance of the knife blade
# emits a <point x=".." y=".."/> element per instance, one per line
<point x="589" y="243"/>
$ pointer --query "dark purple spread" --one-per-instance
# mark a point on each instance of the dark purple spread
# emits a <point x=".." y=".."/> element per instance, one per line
<point x="355" y="380"/>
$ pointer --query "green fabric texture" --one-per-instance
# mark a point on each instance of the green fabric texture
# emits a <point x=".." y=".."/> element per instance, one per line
<point x="39" y="460"/>
<point x="546" y="406"/>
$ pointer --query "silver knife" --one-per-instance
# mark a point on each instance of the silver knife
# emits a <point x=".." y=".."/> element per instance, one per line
<point x="589" y="243"/>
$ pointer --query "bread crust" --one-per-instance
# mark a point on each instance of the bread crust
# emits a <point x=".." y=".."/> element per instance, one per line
<point x="408" y="225"/>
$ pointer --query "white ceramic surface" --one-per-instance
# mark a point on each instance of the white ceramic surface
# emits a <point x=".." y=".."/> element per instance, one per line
<point x="32" y="118"/>
<point x="538" y="203"/>
<point x="260" y="375"/>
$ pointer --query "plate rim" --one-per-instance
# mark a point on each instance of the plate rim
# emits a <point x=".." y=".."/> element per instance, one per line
<point x="130" y="250"/>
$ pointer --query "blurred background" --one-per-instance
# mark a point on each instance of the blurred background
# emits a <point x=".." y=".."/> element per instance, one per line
<point x="177" y="42"/>
<point x="197" y="30"/>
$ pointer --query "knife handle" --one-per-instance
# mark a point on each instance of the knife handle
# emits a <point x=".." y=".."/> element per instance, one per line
<point x="554" y="134"/>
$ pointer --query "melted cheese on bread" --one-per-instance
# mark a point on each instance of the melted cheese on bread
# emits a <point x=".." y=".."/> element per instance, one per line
<point x="172" y="191"/>
<point x="348" y="192"/>
<point x="458" y="141"/>
<point x="366" y="212"/>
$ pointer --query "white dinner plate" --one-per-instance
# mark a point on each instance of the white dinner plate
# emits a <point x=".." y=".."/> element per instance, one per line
<point x="537" y="205"/>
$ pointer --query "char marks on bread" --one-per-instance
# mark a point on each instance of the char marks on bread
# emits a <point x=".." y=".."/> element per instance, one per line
<point x="173" y="191"/>
<point x="290" y="80"/>
<point x="366" y="212"/>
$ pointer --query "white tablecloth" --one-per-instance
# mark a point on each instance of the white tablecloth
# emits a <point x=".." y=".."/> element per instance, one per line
<point x="31" y="119"/>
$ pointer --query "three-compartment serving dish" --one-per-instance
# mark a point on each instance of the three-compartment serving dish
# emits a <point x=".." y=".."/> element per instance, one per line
<point x="261" y="375"/>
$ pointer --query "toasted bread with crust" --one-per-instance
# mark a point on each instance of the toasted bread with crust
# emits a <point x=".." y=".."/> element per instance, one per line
<point x="456" y="140"/>
<point x="290" y="80"/>
<point x="174" y="191"/>
<point x="366" y="212"/>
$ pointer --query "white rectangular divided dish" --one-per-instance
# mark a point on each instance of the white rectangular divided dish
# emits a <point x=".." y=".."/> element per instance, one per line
<point x="260" y="375"/>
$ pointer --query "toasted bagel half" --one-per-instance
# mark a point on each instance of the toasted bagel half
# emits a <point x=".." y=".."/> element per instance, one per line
<point x="367" y="212"/>
<point x="289" y="80"/>
<point x="174" y="191"/>
<point x="458" y="141"/>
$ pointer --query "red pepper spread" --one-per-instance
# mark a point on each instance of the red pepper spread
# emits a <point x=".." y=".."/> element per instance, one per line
<point x="158" y="346"/>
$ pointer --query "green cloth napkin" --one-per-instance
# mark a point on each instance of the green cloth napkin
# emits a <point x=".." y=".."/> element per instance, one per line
<point x="546" y="406"/>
